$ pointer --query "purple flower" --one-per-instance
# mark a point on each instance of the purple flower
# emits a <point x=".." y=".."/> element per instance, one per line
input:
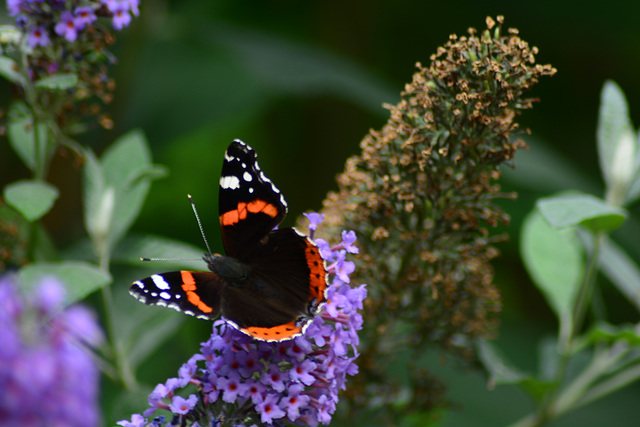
<point x="134" y="5"/>
<point x="137" y="420"/>
<point x="14" y="7"/>
<point x="348" y="239"/>
<point x="302" y="372"/>
<point x="67" y="27"/>
<point x="47" y="375"/>
<point x="269" y="409"/>
<point x="231" y="386"/>
<point x="84" y="16"/>
<point x="120" y="10"/>
<point x="274" y="378"/>
<point x="49" y="296"/>
<point x="344" y="268"/>
<point x="298" y="379"/>
<point x="38" y="37"/>
<point x="294" y="401"/>
<point x="314" y="220"/>
<point x="182" y="406"/>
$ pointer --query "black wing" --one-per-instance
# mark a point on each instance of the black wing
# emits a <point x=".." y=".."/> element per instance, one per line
<point x="250" y="205"/>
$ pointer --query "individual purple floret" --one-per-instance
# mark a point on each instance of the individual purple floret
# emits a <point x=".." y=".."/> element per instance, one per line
<point x="47" y="374"/>
<point x="243" y="382"/>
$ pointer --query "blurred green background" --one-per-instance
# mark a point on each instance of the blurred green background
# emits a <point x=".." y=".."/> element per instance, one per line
<point x="303" y="82"/>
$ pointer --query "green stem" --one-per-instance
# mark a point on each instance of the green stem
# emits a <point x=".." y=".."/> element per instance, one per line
<point x="615" y="383"/>
<point x="586" y="290"/>
<point x="125" y="374"/>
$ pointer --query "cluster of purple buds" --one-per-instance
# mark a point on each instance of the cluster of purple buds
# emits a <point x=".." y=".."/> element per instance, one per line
<point x="47" y="375"/>
<point x="44" y="20"/>
<point x="240" y="381"/>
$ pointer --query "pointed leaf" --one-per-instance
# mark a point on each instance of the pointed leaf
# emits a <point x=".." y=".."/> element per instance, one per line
<point x="78" y="278"/>
<point x="127" y="168"/>
<point x="613" y="127"/>
<point x="58" y="81"/>
<point x="554" y="260"/>
<point x="33" y="199"/>
<point x="8" y="70"/>
<point x="21" y="135"/>
<point x="581" y="209"/>
<point x="92" y="191"/>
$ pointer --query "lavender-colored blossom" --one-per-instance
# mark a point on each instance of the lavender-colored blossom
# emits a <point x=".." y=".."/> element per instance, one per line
<point x="84" y="16"/>
<point x="295" y="381"/>
<point x="47" y="375"/>
<point x="348" y="239"/>
<point x="182" y="406"/>
<point x="120" y="10"/>
<point x="137" y="420"/>
<point x="67" y="27"/>
<point x="13" y="6"/>
<point x="314" y="219"/>
<point x="38" y="37"/>
<point x="269" y="409"/>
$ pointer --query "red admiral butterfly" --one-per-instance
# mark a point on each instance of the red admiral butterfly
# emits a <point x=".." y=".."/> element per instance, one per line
<point x="272" y="282"/>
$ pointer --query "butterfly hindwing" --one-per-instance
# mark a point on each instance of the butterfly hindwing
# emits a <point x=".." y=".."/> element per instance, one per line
<point x="286" y="289"/>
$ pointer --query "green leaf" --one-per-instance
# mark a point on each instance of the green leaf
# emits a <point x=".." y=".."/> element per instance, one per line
<point x="614" y="132"/>
<point x="8" y="70"/>
<point x="79" y="278"/>
<point x="554" y="260"/>
<point x="21" y="135"/>
<point x="133" y="246"/>
<point x="634" y="188"/>
<point x="610" y="334"/>
<point x="92" y="192"/>
<point x="33" y="199"/>
<point x="58" y="82"/>
<point x="581" y="209"/>
<point x="127" y="168"/>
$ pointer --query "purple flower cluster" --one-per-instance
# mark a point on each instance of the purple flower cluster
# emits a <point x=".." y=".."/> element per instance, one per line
<point x="241" y="381"/>
<point x="45" y="19"/>
<point x="47" y="376"/>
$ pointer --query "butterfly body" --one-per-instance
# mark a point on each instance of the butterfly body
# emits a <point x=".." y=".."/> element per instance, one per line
<point x="271" y="283"/>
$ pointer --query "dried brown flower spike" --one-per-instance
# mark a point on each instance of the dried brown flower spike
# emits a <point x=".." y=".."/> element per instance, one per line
<point x="420" y="197"/>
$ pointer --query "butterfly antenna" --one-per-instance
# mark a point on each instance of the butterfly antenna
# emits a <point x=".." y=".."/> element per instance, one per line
<point x="195" y="212"/>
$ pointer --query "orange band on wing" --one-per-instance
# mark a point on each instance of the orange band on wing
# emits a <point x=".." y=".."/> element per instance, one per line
<point x="189" y="287"/>
<point x="234" y="216"/>
<point x="317" y="273"/>
<point x="277" y="333"/>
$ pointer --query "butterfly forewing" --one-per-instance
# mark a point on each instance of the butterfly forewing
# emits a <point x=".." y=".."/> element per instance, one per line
<point x="250" y="205"/>
<point x="196" y="293"/>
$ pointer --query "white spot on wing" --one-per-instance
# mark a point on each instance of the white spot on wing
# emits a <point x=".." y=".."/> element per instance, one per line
<point x="247" y="176"/>
<point x="229" y="182"/>
<point x="165" y="295"/>
<point x="159" y="281"/>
